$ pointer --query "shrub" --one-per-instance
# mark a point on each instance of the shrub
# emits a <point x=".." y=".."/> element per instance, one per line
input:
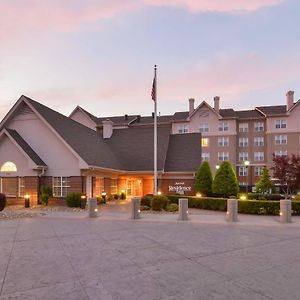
<point x="204" y="180"/>
<point x="116" y="196"/>
<point x="264" y="184"/>
<point x="123" y="196"/>
<point x="2" y="201"/>
<point x="273" y="197"/>
<point x="259" y="207"/>
<point x="225" y="182"/>
<point x="146" y="201"/>
<point x="172" y="207"/>
<point x="73" y="199"/>
<point x="159" y="203"/>
<point x="45" y="194"/>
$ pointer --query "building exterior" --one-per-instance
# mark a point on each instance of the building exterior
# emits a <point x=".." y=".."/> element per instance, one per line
<point x="81" y="153"/>
<point x="238" y="136"/>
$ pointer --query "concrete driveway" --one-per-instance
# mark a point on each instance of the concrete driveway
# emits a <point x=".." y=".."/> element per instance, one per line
<point x="67" y="256"/>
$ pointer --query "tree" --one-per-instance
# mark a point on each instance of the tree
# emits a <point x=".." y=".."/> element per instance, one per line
<point x="286" y="171"/>
<point x="225" y="182"/>
<point x="264" y="184"/>
<point x="203" y="183"/>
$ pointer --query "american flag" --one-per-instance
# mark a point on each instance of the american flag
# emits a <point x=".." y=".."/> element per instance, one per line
<point x="153" y="91"/>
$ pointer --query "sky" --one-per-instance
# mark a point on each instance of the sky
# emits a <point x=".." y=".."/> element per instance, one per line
<point x="99" y="54"/>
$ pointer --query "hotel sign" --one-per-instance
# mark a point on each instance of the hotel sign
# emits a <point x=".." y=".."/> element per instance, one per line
<point x="180" y="188"/>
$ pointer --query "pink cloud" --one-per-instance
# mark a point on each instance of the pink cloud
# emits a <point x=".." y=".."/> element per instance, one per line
<point x="215" y="5"/>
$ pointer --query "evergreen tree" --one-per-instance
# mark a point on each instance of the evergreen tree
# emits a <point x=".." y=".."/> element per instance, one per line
<point x="264" y="183"/>
<point x="225" y="182"/>
<point x="203" y="183"/>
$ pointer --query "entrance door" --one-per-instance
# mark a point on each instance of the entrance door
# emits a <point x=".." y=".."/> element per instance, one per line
<point x="134" y="187"/>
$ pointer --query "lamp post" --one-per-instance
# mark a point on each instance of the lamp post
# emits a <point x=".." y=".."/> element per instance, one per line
<point x="217" y="167"/>
<point x="27" y="201"/>
<point x="246" y="164"/>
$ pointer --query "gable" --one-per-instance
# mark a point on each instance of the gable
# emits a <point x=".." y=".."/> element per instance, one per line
<point x="79" y="116"/>
<point x="9" y="152"/>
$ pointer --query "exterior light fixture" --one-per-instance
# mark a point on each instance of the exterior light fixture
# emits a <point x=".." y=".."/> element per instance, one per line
<point x="217" y="167"/>
<point x="122" y="191"/>
<point x="83" y="201"/>
<point x="246" y="163"/>
<point x="198" y="195"/>
<point x="103" y="194"/>
<point x="280" y="214"/>
<point x="243" y="197"/>
<point x="96" y="209"/>
<point x="27" y="201"/>
<point x="159" y="193"/>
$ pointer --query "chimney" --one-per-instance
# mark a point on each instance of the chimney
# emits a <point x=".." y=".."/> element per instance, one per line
<point x="289" y="100"/>
<point x="191" y="105"/>
<point x="126" y="117"/>
<point x="153" y="115"/>
<point x="217" y="104"/>
<point x="107" y="128"/>
<point x="138" y="118"/>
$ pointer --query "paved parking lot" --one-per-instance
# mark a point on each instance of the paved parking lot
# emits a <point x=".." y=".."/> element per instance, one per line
<point x="67" y="256"/>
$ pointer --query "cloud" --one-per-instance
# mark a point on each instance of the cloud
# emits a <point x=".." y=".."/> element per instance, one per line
<point x="215" y="5"/>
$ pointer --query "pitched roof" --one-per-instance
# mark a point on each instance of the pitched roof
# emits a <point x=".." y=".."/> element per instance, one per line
<point x="25" y="147"/>
<point x="92" y="117"/>
<point x="184" y="153"/>
<point x="180" y="116"/>
<point x="272" y="110"/>
<point x="79" y="137"/>
<point x="118" y="120"/>
<point x="249" y="114"/>
<point x="227" y="113"/>
<point x="134" y="147"/>
<point x="149" y="120"/>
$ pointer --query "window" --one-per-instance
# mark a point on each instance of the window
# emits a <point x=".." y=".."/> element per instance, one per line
<point x="61" y="186"/>
<point x="280" y="124"/>
<point x="21" y="186"/>
<point x="243" y="156"/>
<point x="8" y="167"/>
<point x="242" y="183"/>
<point x="98" y="186"/>
<point x="258" y="156"/>
<point x="205" y="142"/>
<point x="281" y="153"/>
<point x="223" y="141"/>
<point x="243" y="171"/>
<point x="222" y="156"/>
<point x="243" y="142"/>
<point x="113" y="185"/>
<point x="183" y="128"/>
<point x="281" y="139"/>
<point x="203" y="127"/>
<point x="258" y="171"/>
<point x="258" y="141"/>
<point x="223" y="126"/>
<point x="8" y="186"/>
<point x="243" y="127"/>
<point x="259" y="126"/>
<point x="205" y="156"/>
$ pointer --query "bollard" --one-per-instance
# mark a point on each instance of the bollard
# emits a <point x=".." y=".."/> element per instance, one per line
<point x="92" y="208"/>
<point x="285" y="211"/>
<point x="183" y="209"/>
<point x="232" y="210"/>
<point x="135" y="208"/>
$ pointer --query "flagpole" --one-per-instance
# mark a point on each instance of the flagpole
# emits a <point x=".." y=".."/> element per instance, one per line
<point x="155" y="132"/>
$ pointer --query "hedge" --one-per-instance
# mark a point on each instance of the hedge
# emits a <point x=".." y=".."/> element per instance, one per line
<point x="253" y="196"/>
<point x="259" y="207"/>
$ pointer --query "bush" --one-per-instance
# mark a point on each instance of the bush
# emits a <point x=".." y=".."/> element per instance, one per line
<point x="225" y="182"/>
<point x="45" y="194"/>
<point x="73" y="199"/>
<point x="204" y="180"/>
<point x="146" y="201"/>
<point x="116" y="196"/>
<point x="253" y="196"/>
<point x="159" y="203"/>
<point x="2" y="201"/>
<point x="172" y="207"/>
<point x="297" y="197"/>
<point x="122" y="196"/>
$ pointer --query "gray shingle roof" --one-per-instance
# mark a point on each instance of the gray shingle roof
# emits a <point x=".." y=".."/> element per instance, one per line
<point x="273" y="110"/>
<point x="134" y="147"/>
<point x="249" y="114"/>
<point x="26" y="148"/>
<point x="184" y="153"/>
<point x="227" y="113"/>
<point x="128" y="149"/>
